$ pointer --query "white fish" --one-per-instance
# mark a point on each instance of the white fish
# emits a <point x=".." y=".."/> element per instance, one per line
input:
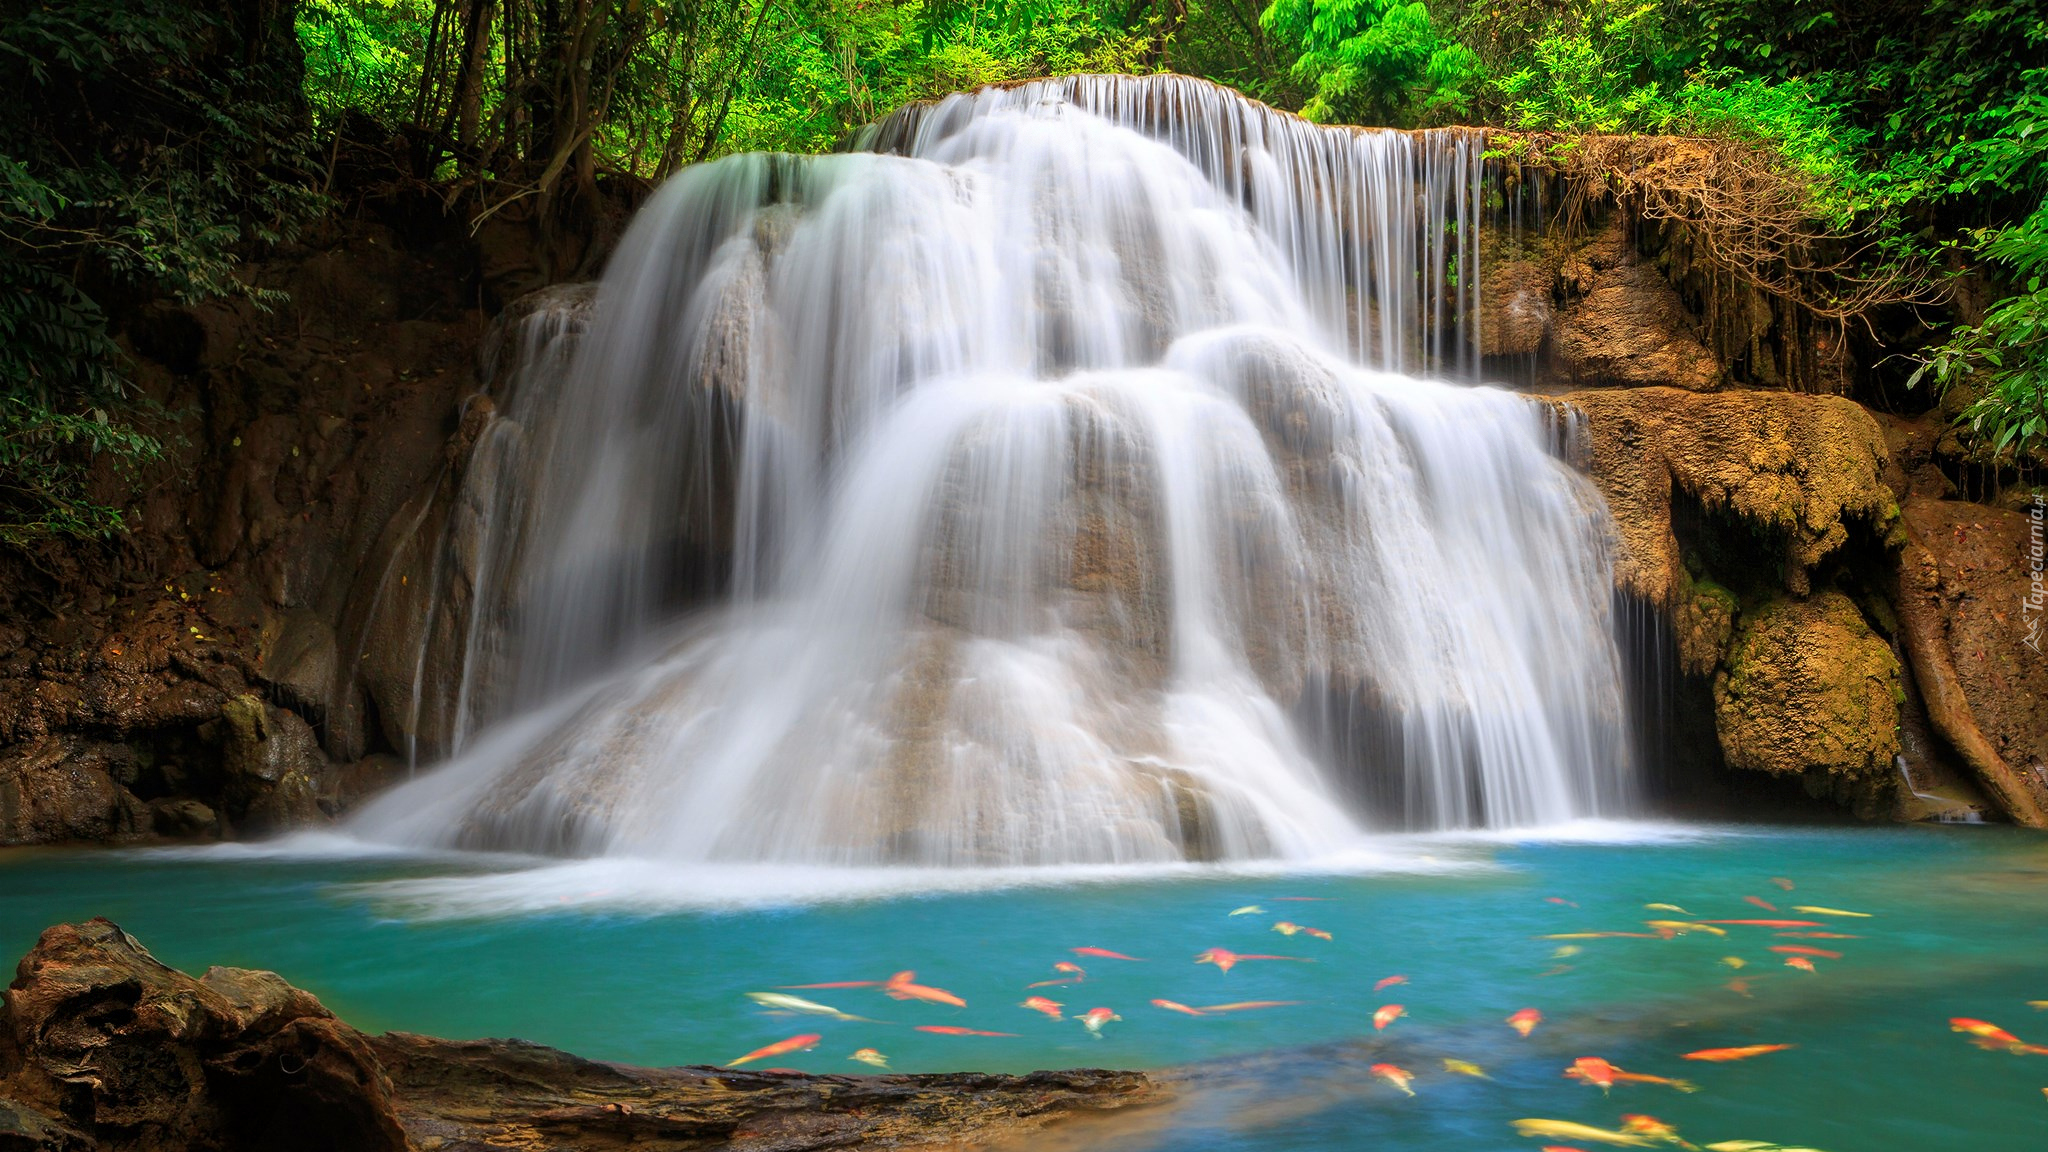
<point x="781" y="1002"/>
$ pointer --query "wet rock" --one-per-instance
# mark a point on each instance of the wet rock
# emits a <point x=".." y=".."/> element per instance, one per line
<point x="58" y="789"/>
<point x="1808" y="689"/>
<point x="183" y="818"/>
<point x="1631" y="329"/>
<point x="272" y="764"/>
<point x="1802" y="470"/>
<point x="103" y="1047"/>
<point x="100" y="1039"/>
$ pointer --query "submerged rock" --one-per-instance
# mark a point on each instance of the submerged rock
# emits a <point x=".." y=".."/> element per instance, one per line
<point x="104" y="1047"/>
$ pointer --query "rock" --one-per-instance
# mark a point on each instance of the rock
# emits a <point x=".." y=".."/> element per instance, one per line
<point x="100" y="1039"/>
<point x="272" y="764"/>
<point x="1973" y="614"/>
<point x="1808" y="689"/>
<point x="103" y="1047"/>
<point x="1631" y="329"/>
<point x="1800" y="469"/>
<point x="59" y="789"/>
<point x="183" y="818"/>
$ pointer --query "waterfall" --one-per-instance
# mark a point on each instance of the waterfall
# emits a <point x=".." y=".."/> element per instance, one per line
<point x="1040" y="481"/>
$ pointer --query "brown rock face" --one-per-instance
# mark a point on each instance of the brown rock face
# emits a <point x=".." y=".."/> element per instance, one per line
<point x="1802" y="468"/>
<point x="104" y="1048"/>
<point x="1807" y="688"/>
<point x="1631" y="329"/>
<point x="101" y="1046"/>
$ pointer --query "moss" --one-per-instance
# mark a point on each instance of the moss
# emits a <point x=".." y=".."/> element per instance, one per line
<point x="1807" y="689"/>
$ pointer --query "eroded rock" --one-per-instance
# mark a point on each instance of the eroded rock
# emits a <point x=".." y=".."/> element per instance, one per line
<point x="1808" y="689"/>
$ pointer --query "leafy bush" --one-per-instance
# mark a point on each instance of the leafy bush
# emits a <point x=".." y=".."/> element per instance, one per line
<point x="1376" y="61"/>
<point x="2004" y="360"/>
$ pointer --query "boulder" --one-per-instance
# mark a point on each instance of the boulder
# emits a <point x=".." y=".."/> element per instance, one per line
<point x="60" y="788"/>
<point x="1807" y="689"/>
<point x="272" y="766"/>
<point x="1799" y="469"/>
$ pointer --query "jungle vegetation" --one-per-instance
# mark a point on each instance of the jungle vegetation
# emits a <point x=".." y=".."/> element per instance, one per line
<point x="149" y="148"/>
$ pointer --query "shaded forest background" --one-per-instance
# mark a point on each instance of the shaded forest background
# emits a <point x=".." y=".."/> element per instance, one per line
<point x="150" y="150"/>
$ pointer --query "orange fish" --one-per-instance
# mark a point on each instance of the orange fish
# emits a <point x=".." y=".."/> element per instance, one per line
<point x="803" y="1043"/>
<point x="1247" y="1005"/>
<point x="1319" y="934"/>
<point x="1760" y="902"/>
<point x="1286" y="927"/>
<point x="1074" y="972"/>
<point x="1805" y="950"/>
<point x="1989" y="1036"/>
<point x="1041" y="1004"/>
<point x="1560" y="900"/>
<point x="1650" y="1126"/>
<point x="1525" y="1021"/>
<point x="1739" y="987"/>
<point x="1723" y="1055"/>
<point x="1594" y="1070"/>
<point x="1389" y="982"/>
<point x="956" y="1030"/>
<point x="1817" y="935"/>
<point x="1387" y="1014"/>
<point x="1771" y="923"/>
<point x="1094" y="1018"/>
<point x="1225" y="959"/>
<point x="1781" y="882"/>
<point x="1176" y="1006"/>
<point x="899" y="987"/>
<point x="1398" y="1077"/>
<point x="1105" y="953"/>
<point x="1801" y="963"/>
<point x="1568" y="1148"/>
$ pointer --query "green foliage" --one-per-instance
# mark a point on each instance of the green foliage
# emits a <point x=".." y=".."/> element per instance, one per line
<point x="1376" y="61"/>
<point x="145" y="145"/>
<point x="2003" y="362"/>
<point x="363" y="56"/>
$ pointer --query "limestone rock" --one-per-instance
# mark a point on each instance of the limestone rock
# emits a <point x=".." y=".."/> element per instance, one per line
<point x="272" y="764"/>
<point x="1808" y="689"/>
<point x="1801" y="468"/>
<point x="61" y="788"/>
<point x="1631" y="329"/>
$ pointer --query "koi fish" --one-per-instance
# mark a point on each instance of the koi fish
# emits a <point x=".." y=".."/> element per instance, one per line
<point x="1094" y="1018"/>
<point x="1387" y="1014"/>
<point x="1801" y="963"/>
<point x="1286" y="927"/>
<point x="1560" y="1148"/>
<point x="1248" y="1005"/>
<point x="1319" y="933"/>
<point x="778" y="1001"/>
<point x="1525" y="1021"/>
<point x="1760" y="902"/>
<point x="1560" y="900"/>
<point x="803" y="1043"/>
<point x="1225" y="959"/>
<point x="1554" y="970"/>
<point x="1389" y="982"/>
<point x="1074" y="976"/>
<point x="1176" y="1006"/>
<point x="1739" y="987"/>
<point x="1247" y="910"/>
<point x="1770" y="923"/>
<point x="1781" y="882"/>
<point x="1041" y="1004"/>
<point x="870" y="1056"/>
<point x="1989" y="1036"/>
<point x="899" y="987"/>
<point x="1678" y="927"/>
<point x="1603" y="936"/>
<point x="1566" y="950"/>
<point x="1733" y="961"/>
<point x="956" y="1030"/>
<point x="1398" y="1077"/>
<point x="2037" y="1005"/>
<point x="1811" y="910"/>
<point x="1652" y="1127"/>
<point x="1723" y="1055"/>
<point x="1571" y="1131"/>
<point x="1594" y="1070"/>
<point x="1465" y="1068"/>
<point x="1818" y="935"/>
<point x="1104" y="953"/>
<point x="1806" y="950"/>
<point x="1667" y="908"/>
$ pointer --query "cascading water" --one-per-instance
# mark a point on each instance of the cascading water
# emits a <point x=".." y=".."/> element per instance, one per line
<point x="1066" y="504"/>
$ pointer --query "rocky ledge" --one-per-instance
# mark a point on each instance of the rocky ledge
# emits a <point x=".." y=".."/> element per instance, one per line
<point x="104" y="1047"/>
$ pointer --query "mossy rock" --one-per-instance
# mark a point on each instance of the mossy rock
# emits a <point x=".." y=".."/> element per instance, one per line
<point x="1807" y="689"/>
